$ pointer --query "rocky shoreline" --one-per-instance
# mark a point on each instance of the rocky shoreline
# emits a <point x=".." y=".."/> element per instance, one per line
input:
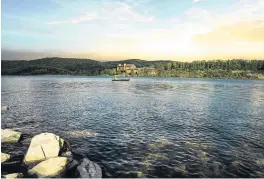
<point x="48" y="155"/>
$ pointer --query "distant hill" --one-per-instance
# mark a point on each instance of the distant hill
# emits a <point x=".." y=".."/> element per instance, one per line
<point x="51" y="66"/>
<point x="71" y="66"/>
<point x="236" y="68"/>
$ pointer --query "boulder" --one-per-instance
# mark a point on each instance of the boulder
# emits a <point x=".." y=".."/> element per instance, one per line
<point x="13" y="164"/>
<point x="89" y="169"/>
<point x="53" y="167"/>
<point x="42" y="147"/>
<point x="14" y="175"/>
<point x="4" y="108"/>
<point x="4" y="157"/>
<point x="10" y="136"/>
<point x="71" y="169"/>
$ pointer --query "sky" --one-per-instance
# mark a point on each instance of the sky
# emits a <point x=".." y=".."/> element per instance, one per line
<point x="182" y="30"/>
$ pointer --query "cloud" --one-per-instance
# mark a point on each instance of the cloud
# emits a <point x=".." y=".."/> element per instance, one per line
<point x="241" y="32"/>
<point x="243" y="11"/>
<point x="198" y="14"/>
<point x="196" y="1"/>
<point x="76" y="20"/>
<point x="244" y="39"/>
<point x="122" y="11"/>
<point x="109" y="11"/>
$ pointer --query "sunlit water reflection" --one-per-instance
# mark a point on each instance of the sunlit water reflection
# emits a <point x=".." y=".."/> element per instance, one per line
<point x="147" y="127"/>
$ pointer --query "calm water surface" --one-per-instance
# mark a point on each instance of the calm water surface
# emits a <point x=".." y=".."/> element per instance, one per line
<point x="148" y="127"/>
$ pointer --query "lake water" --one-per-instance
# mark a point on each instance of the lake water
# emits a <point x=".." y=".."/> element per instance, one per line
<point x="147" y="127"/>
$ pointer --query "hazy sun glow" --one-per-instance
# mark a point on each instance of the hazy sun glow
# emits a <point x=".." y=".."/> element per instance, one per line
<point x="120" y="29"/>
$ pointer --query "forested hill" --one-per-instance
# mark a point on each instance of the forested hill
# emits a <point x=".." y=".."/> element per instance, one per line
<point x="51" y="66"/>
<point x="71" y="66"/>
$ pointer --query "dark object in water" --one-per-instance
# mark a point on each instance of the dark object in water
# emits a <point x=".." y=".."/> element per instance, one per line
<point x="4" y="108"/>
<point x="120" y="79"/>
<point x="115" y="78"/>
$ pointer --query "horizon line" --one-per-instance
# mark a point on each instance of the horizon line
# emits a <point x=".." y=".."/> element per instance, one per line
<point x="75" y="58"/>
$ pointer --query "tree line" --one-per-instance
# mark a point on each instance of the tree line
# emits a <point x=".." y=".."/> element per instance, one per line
<point x="252" y="65"/>
<point x="237" y="68"/>
<point x="214" y="68"/>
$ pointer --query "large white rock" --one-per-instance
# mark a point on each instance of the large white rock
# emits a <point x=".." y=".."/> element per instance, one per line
<point x="10" y="136"/>
<point x="42" y="147"/>
<point x="4" y="157"/>
<point x="14" y="175"/>
<point x="52" y="167"/>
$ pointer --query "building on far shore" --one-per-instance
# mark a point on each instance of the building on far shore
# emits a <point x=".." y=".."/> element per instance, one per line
<point x="129" y="69"/>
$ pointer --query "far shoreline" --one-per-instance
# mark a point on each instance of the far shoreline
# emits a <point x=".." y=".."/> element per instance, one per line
<point x="105" y="76"/>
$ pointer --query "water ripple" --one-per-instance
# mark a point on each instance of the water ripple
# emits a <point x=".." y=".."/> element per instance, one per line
<point x="149" y="127"/>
